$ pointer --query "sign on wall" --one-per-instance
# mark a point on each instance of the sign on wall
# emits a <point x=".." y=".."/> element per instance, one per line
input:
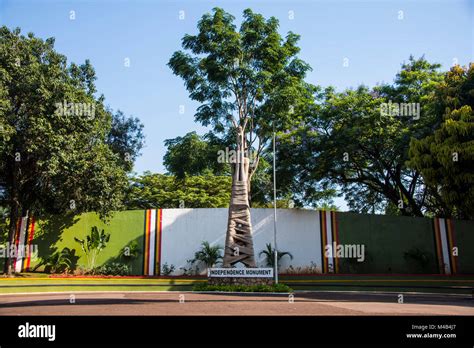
<point x="240" y="272"/>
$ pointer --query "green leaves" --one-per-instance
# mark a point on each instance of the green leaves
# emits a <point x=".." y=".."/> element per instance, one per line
<point x="194" y="155"/>
<point x="269" y="254"/>
<point x="347" y="143"/>
<point x="53" y="154"/>
<point x="445" y="158"/>
<point x="250" y="77"/>
<point x="60" y="261"/>
<point x="165" y="191"/>
<point x="93" y="245"/>
<point x="209" y="255"/>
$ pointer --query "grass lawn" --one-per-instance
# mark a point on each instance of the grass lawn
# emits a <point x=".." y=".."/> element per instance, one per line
<point x="395" y="283"/>
<point x="38" y="282"/>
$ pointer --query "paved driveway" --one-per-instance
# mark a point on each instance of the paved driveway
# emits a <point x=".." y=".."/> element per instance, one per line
<point x="187" y="303"/>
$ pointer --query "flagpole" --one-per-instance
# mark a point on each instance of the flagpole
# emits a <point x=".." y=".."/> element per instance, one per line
<point x="275" y="210"/>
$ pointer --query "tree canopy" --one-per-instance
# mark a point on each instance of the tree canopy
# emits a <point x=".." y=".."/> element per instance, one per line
<point x="52" y="157"/>
<point x="249" y="77"/>
<point x="445" y="158"/>
<point x="192" y="154"/>
<point x="152" y="190"/>
<point x="348" y="142"/>
<point x="61" y="149"/>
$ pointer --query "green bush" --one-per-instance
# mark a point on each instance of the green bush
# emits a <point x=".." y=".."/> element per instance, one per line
<point x="58" y="262"/>
<point x="93" y="245"/>
<point x="418" y="260"/>
<point x="115" y="269"/>
<point x="243" y="288"/>
<point x="167" y="270"/>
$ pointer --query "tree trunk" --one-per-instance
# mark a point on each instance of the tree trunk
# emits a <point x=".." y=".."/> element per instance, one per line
<point x="12" y="229"/>
<point x="239" y="243"/>
<point x="14" y="216"/>
<point x="15" y="211"/>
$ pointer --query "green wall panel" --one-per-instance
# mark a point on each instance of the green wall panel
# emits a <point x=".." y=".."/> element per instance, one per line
<point x="464" y="233"/>
<point x="386" y="240"/>
<point x="56" y="233"/>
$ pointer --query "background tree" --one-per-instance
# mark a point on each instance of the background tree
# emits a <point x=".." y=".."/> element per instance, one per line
<point x="52" y="158"/>
<point x="192" y="154"/>
<point x="445" y="158"/>
<point x="247" y="81"/>
<point x="125" y="138"/>
<point x="165" y="191"/>
<point x="346" y="144"/>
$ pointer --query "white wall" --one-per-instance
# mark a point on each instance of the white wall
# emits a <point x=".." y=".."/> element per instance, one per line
<point x="183" y="231"/>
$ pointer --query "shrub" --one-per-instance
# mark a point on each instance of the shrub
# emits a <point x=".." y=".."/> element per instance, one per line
<point x="420" y="259"/>
<point x="190" y="268"/>
<point x="167" y="270"/>
<point x="269" y="255"/>
<point x="311" y="269"/>
<point x="58" y="262"/>
<point x="243" y="288"/>
<point x="80" y="271"/>
<point x="93" y="245"/>
<point x="114" y="269"/>
<point x="209" y="255"/>
<point x="131" y="251"/>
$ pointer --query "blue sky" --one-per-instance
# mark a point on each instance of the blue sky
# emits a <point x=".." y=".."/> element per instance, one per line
<point x="374" y="36"/>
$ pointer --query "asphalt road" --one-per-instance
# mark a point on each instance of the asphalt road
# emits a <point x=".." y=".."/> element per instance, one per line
<point x="187" y="303"/>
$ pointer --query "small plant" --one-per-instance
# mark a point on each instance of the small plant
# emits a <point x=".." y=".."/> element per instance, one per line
<point x="269" y="254"/>
<point x="420" y="258"/>
<point x="58" y="262"/>
<point x="190" y="268"/>
<point x="243" y="288"/>
<point x="130" y="253"/>
<point x="209" y="255"/>
<point x="93" y="245"/>
<point x="311" y="269"/>
<point x="80" y="271"/>
<point x="114" y="269"/>
<point x="167" y="270"/>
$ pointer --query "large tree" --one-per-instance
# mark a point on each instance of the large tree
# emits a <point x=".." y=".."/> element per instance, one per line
<point x="57" y="153"/>
<point x="248" y="81"/>
<point x="445" y="158"/>
<point x="349" y="143"/>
